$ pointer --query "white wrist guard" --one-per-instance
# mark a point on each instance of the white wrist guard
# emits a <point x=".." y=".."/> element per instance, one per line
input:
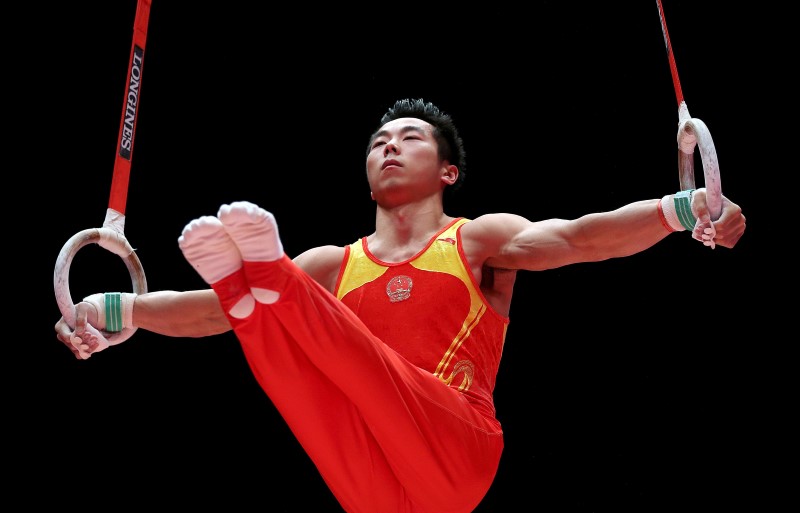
<point x="114" y="310"/>
<point x="677" y="210"/>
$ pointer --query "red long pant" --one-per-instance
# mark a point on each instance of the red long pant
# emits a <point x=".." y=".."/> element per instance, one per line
<point x="385" y="435"/>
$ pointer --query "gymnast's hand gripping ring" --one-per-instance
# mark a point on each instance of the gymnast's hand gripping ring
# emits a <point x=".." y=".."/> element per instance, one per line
<point x="113" y="240"/>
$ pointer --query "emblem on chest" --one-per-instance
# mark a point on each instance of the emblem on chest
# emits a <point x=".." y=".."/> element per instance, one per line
<point x="399" y="288"/>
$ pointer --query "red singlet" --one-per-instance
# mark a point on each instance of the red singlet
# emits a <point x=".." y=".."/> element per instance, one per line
<point x="430" y="310"/>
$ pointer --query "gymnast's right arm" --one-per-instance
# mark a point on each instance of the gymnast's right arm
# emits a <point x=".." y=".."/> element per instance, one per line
<point x="194" y="313"/>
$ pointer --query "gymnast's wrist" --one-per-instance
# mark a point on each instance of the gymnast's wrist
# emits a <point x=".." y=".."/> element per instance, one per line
<point x="675" y="211"/>
<point x="114" y="310"/>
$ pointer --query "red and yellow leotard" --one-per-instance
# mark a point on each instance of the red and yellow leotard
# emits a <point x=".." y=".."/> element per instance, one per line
<point x="430" y="310"/>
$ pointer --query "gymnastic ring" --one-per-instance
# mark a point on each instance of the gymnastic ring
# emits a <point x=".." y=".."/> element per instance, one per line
<point x="691" y="132"/>
<point x="111" y="240"/>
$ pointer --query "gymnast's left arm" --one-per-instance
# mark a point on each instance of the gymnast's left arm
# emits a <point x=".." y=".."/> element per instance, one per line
<point x="508" y="241"/>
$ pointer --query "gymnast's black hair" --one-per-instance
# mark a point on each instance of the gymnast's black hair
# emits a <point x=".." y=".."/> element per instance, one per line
<point x="451" y="147"/>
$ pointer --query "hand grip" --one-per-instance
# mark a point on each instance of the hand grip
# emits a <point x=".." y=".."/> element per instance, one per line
<point x="115" y="242"/>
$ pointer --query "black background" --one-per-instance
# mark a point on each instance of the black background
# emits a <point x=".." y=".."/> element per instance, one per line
<point x="627" y="385"/>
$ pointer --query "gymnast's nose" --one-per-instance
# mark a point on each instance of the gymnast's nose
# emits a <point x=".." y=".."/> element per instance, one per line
<point x="390" y="147"/>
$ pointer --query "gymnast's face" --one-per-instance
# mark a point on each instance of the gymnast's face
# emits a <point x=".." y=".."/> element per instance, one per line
<point x="403" y="162"/>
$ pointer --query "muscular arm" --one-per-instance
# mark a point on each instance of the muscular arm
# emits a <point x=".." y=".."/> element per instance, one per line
<point x="195" y="313"/>
<point x="590" y="238"/>
<point x="512" y="242"/>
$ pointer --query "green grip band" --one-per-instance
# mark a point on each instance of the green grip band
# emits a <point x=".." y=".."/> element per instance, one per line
<point x="113" y="301"/>
<point x="683" y="207"/>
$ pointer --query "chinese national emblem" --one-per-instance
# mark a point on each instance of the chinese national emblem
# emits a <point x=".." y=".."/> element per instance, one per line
<point x="399" y="288"/>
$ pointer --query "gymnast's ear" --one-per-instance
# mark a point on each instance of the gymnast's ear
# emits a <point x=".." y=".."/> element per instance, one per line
<point x="449" y="174"/>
